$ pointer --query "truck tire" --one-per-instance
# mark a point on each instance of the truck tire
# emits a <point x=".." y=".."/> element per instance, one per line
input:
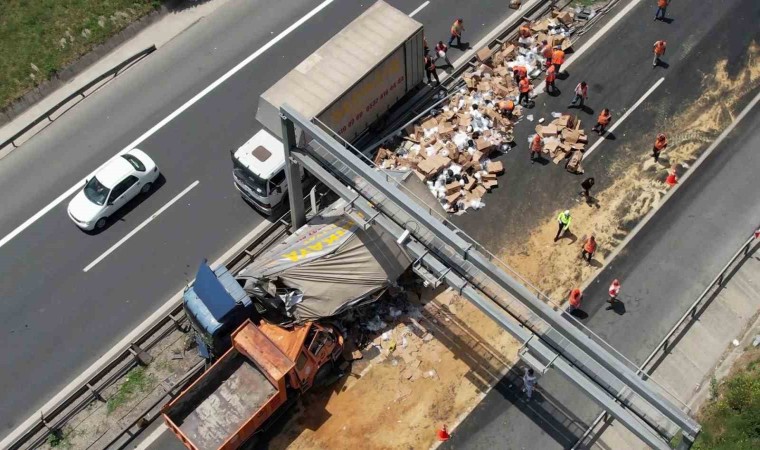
<point x="324" y="376"/>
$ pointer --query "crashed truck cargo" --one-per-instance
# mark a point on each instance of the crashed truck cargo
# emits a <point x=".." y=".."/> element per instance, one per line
<point x="355" y="77"/>
<point x="329" y="265"/>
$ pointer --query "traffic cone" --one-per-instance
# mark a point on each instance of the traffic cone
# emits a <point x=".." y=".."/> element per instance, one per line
<point x="757" y="234"/>
<point x="443" y="434"/>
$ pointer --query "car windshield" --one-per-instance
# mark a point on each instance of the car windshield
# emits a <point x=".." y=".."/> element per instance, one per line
<point x="95" y="191"/>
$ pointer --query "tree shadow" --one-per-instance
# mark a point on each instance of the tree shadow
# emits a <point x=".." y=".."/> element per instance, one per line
<point x="181" y="5"/>
<point x="617" y="306"/>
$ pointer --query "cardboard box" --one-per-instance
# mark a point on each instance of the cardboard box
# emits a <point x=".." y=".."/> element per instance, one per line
<point x="429" y="123"/>
<point x="479" y="191"/>
<point x="495" y="167"/>
<point x="470" y="184"/>
<point x="445" y="130"/>
<point x="488" y="176"/>
<point x="452" y="199"/>
<point x="508" y="51"/>
<point x="429" y="141"/>
<point x="578" y="146"/>
<point x="484" y="54"/>
<point x="484" y="86"/>
<point x="548" y="130"/>
<point x="484" y="146"/>
<point x="541" y="25"/>
<point x="477" y="156"/>
<point x="565" y="17"/>
<point x="490" y="184"/>
<point x="452" y="187"/>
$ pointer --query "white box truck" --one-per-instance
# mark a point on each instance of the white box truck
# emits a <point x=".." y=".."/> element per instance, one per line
<point x="347" y="84"/>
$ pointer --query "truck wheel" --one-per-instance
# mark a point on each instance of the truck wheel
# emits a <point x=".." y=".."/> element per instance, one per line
<point x="325" y="375"/>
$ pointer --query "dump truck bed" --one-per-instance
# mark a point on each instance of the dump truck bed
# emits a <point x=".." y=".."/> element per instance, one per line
<point x="234" y="397"/>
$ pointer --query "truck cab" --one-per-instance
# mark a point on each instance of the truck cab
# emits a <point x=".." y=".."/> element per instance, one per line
<point x="259" y="172"/>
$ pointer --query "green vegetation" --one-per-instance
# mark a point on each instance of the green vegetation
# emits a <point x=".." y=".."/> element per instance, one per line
<point x="731" y="420"/>
<point x="586" y="2"/>
<point x="60" y="439"/>
<point x="137" y="381"/>
<point x="40" y="37"/>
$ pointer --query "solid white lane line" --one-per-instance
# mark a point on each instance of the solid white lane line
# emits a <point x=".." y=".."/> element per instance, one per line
<point x="607" y="27"/>
<point x="167" y="119"/>
<point x="141" y="226"/>
<point x="624" y="116"/>
<point x="419" y="8"/>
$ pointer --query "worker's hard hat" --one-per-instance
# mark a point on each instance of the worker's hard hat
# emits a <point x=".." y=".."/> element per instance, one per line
<point x="567" y="212"/>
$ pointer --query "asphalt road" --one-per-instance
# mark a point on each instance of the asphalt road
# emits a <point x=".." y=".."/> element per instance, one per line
<point x="57" y="319"/>
<point x="674" y="257"/>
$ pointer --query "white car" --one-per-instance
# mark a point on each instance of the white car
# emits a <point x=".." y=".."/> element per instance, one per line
<point x="115" y="184"/>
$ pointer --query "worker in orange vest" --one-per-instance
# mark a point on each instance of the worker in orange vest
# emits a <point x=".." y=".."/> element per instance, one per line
<point x="672" y="178"/>
<point x="546" y="52"/>
<point x="658" y="49"/>
<point x="602" y="121"/>
<point x="525" y="30"/>
<point x="506" y="107"/>
<point x="524" y="88"/>
<point x="659" y="145"/>
<point x="558" y="58"/>
<point x="589" y="248"/>
<point x="662" y="7"/>
<point x="551" y="76"/>
<point x="456" y="32"/>
<point x="575" y="300"/>
<point x="536" y="147"/>
<point x="519" y="72"/>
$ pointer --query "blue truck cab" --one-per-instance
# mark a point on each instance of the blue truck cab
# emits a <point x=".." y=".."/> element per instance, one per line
<point x="216" y="305"/>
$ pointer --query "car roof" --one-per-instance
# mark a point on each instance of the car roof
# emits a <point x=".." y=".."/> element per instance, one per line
<point x="114" y="171"/>
<point x="263" y="154"/>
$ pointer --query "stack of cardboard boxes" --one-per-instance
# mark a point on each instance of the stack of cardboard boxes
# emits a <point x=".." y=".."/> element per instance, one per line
<point x="564" y="138"/>
<point x="452" y="149"/>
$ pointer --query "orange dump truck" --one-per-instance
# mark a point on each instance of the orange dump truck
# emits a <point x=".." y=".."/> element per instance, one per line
<point x="238" y="396"/>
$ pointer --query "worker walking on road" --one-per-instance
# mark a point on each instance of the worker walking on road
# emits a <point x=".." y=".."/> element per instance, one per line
<point x="430" y="70"/>
<point x="659" y="145"/>
<point x="574" y="302"/>
<point x="529" y="382"/>
<point x="662" y="8"/>
<point x="589" y="248"/>
<point x="456" y="32"/>
<point x="440" y="51"/>
<point x="551" y="76"/>
<point x="586" y="185"/>
<point x="659" y="50"/>
<point x="524" y="88"/>
<point x="536" y="147"/>
<point x="581" y="95"/>
<point x="558" y="58"/>
<point x="614" y="291"/>
<point x="563" y="222"/>
<point x="546" y="52"/>
<point x="604" y="119"/>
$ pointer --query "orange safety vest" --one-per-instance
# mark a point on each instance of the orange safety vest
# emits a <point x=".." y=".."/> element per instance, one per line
<point x="659" y="48"/>
<point x="590" y="246"/>
<point x="537" y="144"/>
<point x="575" y="298"/>
<point x="508" y="105"/>
<point x="662" y="3"/>
<point x="551" y="75"/>
<point x="524" y="85"/>
<point x="604" y="119"/>
<point x="660" y="143"/>
<point x="558" y="57"/>
<point x="522" y="71"/>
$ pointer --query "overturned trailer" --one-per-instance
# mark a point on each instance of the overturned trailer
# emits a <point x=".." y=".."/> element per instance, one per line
<point x="329" y="265"/>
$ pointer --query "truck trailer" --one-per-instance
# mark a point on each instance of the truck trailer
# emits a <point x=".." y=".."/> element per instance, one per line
<point x="346" y="85"/>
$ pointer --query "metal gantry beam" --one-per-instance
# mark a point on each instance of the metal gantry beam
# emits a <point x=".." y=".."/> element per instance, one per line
<point x="469" y="253"/>
<point x="547" y="356"/>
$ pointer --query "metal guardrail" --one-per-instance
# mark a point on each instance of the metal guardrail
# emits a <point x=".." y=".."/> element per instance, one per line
<point x="79" y="92"/>
<point x="749" y="247"/>
<point x="131" y="355"/>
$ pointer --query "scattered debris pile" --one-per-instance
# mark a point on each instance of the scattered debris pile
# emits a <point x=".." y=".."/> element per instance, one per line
<point x="453" y="148"/>
<point x="564" y="139"/>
